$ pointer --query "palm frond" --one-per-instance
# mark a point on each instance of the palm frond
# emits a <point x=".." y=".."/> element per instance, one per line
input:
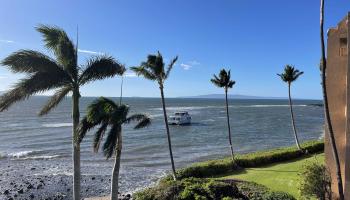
<point x="28" y="61"/>
<point x="99" y="136"/>
<point x="223" y="80"/>
<point x="83" y="127"/>
<point x="144" y="72"/>
<point x="62" y="46"/>
<point x="216" y="81"/>
<point x="231" y="83"/>
<point x="55" y="100"/>
<point x="35" y="83"/>
<point x="100" y="109"/>
<point x="111" y="141"/>
<point x="144" y="122"/>
<point x="290" y="74"/>
<point x="170" y="67"/>
<point x="157" y="65"/>
<point x="99" y="68"/>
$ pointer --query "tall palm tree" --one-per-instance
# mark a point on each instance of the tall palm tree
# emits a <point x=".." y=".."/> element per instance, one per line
<point x="289" y="75"/>
<point x="154" y="69"/>
<point x="105" y="113"/>
<point x="223" y="80"/>
<point x="326" y="107"/>
<point x="63" y="73"/>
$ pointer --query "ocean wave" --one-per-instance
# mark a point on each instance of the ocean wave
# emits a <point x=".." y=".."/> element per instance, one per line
<point x="184" y="108"/>
<point x="156" y="115"/>
<point x="266" y="106"/>
<point x="57" y="125"/>
<point x="189" y="108"/>
<point x="19" y="154"/>
<point x="26" y="155"/>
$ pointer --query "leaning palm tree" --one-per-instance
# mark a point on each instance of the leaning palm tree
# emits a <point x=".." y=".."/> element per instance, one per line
<point x="62" y="73"/>
<point x="224" y="81"/>
<point x="289" y="75"/>
<point x="154" y="69"/>
<point x="105" y="113"/>
<point x="323" y="66"/>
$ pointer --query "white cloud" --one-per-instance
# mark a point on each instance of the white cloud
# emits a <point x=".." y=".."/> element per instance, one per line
<point x="130" y="74"/>
<point x="186" y="66"/>
<point x="89" y="52"/>
<point x="7" y="41"/>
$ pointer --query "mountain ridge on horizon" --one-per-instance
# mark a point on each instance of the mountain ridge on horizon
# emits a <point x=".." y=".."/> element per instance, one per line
<point x="231" y="96"/>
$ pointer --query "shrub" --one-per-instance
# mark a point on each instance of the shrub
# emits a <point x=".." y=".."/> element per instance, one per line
<point x="189" y="189"/>
<point x="315" y="181"/>
<point x="206" y="189"/>
<point x="278" y="196"/>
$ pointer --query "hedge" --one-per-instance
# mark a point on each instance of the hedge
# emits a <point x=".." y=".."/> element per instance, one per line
<point x="213" y="168"/>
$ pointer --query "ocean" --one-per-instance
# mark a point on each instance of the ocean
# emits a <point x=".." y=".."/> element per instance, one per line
<point x="29" y="141"/>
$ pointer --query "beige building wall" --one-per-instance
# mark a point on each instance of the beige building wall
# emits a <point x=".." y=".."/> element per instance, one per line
<point x="338" y="88"/>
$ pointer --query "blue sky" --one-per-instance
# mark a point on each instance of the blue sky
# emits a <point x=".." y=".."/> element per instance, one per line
<point x="253" y="38"/>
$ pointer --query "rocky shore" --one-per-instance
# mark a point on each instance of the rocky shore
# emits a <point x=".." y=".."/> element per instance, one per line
<point x="28" y="182"/>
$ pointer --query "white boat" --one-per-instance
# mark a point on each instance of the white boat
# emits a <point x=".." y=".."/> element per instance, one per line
<point x="179" y="118"/>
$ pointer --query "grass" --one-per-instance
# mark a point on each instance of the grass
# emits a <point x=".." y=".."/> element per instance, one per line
<point x="279" y="176"/>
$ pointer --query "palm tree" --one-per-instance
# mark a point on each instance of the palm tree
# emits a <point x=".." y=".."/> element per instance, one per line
<point x="290" y="75"/>
<point x="105" y="113"/>
<point x="323" y="66"/>
<point x="63" y="74"/>
<point x="224" y="81"/>
<point x="154" y="69"/>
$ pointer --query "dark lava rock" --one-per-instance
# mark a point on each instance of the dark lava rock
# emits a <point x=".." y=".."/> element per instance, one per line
<point x="6" y="192"/>
<point x="30" y="186"/>
<point x="39" y="186"/>
<point x="31" y="196"/>
<point x="33" y="168"/>
<point x="128" y="195"/>
<point x="20" y="191"/>
<point x="93" y="178"/>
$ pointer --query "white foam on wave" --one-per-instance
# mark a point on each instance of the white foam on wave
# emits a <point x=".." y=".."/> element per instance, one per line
<point x="179" y="108"/>
<point x="19" y="154"/>
<point x="57" y="125"/>
<point x="44" y="157"/>
<point x="266" y="106"/>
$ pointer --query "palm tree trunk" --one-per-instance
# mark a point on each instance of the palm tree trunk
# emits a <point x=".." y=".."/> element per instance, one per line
<point x="121" y="91"/>
<point x="326" y="108"/>
<point x="76" y="146"/>
<point x="292" y="118"/>
<point x="168" y="132"/>
<point x="116" y="168"/>
<point x="229" y="127"/>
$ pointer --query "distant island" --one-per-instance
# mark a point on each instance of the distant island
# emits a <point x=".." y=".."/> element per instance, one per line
<point x="231" y="96"/>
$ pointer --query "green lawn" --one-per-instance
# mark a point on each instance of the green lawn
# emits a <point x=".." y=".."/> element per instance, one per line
<point x="279" y="177"/>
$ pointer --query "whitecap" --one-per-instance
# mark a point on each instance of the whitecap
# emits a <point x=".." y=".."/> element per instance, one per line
<point x="19" y="154"/>
<point x="57" y="125"/>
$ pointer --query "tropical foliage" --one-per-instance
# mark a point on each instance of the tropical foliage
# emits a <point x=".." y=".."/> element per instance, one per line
<point x="290" y="75"/>
<point x="104" y="113"/>
<point x="154" y="69"/>
<point x="62" y="74"/>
